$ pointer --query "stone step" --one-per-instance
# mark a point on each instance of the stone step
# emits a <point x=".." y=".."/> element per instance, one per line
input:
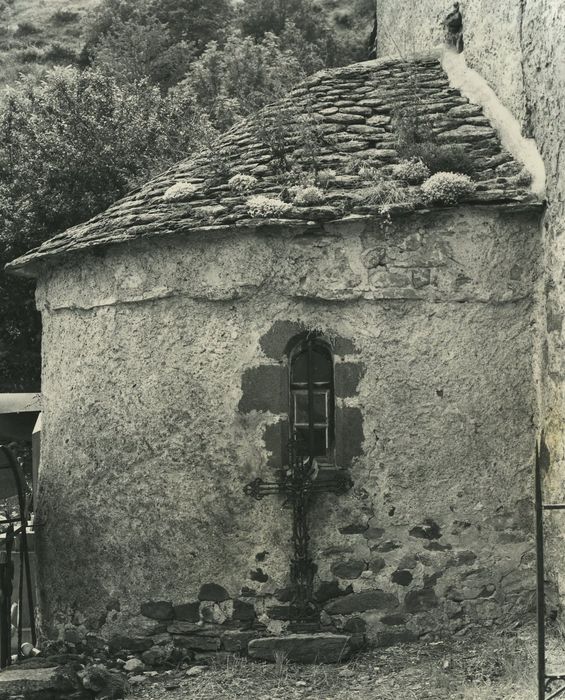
<point x="302" y="648"/>
<point x="20" y="681"/>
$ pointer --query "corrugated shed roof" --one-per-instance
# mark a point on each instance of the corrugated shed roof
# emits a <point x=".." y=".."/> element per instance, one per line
<point x="351" y="112"/>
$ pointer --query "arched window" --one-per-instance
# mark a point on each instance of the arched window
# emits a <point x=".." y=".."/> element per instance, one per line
<point x="312" y="398"/>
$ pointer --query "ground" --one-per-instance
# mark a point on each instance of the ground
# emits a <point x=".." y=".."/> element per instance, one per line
<point x="499" y="667"/>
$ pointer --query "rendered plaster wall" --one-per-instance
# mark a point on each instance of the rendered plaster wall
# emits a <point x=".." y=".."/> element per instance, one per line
<point x="518" y="47"/>
<point x="151" y="430"/>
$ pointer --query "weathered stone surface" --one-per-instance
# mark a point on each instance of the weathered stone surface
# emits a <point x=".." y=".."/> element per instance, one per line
<point x="133" y="665"/>
<point x="359" y="602"/>
<point x="302" y="648"/>
<point x="197" y="642"/>
<point x="134" y="644"/>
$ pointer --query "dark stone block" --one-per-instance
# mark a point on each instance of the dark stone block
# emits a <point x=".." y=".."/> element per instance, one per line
<point x="275" y="342"/>
<point x="243" y="611"/>
<point x="431" y="580"/>
<point x="429" y="530"/>
<point x="353" y="529"/>
<point x="408" y="562"/>
<point x="394" y="620"/>
<point x="282" y="612"/>
<point x="213" y="592"/>
<point x="420" y="600"/>
<point x="355" y="625"/>
<point x="360" y="602"/>
<point x="349" y="569"/>
<point x="347" y="376"/>
<point x="377" y="564"/>
<point x="258" y="575"/>
<point x="437" y="547"/>
<point x="276" y="438"/>
<point x="248" y="592"/>
<point x="393" y="637"/>
<point x="187" y="611"/>
<point x="157" y="610"/>
<point x="132" y="644"/>
<point x="402" y="577"/>
<point x="328" y="590"/>
<point x="197" y="642"/>
<point x="349" y="435"/>
<point x="265" y="388"/>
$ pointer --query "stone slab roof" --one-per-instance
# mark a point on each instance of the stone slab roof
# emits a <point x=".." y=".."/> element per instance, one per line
<point x="351" y="111"/>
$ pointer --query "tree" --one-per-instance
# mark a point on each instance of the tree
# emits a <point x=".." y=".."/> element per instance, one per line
<point x="69" y="147"/>
<point x="239" y="78"/>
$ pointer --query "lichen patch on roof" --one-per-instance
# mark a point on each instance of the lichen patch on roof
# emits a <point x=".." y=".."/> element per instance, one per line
<point x="340" y="115"/>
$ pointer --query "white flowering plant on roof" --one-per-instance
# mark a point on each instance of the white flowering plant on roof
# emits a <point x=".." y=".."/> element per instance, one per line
<point x="306" y="196"/>
<point x="180" y="191"/>
<point x="261" y="206"/>
<point x="413" y="171"/>
<point x="242" y="183"/>
<point x="446" y="188"/>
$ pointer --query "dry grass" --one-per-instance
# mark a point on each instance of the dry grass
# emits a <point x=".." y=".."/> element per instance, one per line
<point x="470" y="668"/>
<point x="27" y="52"/>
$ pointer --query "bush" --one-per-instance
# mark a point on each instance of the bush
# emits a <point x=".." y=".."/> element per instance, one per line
<point x="29" y="55"/>
<point x="26" y="29"/>
<point x="242" y="183"/>
<point x="57" y="53"/>
<point x="414" y="141"/>
<point x="441" y="159"/>
<point x="306" y="196"/>
<point x="180" y="191"/>
<point x="64" y="16"/>
<point x="262" y="206"/>
<point x="447" y="188"/>
<point x="413" y="171"/>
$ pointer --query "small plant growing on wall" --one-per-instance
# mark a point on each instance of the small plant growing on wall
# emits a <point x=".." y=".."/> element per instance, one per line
<point x="242" y="183"/>
<point x="261" y="206"/>
<point x="447" y="188"/>
<point x="412" y="171"/>
<point x="180" y="191"/>
<point x="306" y="196"/>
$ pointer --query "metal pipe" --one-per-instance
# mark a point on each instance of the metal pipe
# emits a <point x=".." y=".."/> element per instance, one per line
<point x="540" y="575"/>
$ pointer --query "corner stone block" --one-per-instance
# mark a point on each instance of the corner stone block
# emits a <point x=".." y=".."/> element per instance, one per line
<point x="264" y="389"/>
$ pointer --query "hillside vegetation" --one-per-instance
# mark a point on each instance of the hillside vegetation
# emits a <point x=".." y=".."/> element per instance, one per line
<point x="97" y="97"/>
<point x="39" y="33"/>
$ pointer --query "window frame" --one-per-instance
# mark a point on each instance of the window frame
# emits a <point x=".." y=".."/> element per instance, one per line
<point x="310" y="387"/>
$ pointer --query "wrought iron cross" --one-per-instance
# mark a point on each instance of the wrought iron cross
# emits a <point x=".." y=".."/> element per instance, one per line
<point x="299" y="484"/>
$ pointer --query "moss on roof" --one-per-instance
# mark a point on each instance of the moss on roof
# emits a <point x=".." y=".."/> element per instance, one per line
<point x="334" y="117"/>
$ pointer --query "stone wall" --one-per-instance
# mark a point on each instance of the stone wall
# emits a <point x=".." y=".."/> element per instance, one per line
<point x="518" y="47"/>
<point x="152" y="427"/>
